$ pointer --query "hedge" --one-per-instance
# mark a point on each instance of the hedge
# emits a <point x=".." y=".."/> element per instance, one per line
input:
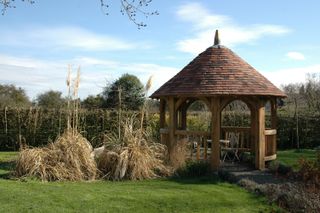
<point x="37" y="127"/>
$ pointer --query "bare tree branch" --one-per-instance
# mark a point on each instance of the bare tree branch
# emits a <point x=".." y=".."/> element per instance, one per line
<point x="9" y="4"/>
<point x="133" y="9"/>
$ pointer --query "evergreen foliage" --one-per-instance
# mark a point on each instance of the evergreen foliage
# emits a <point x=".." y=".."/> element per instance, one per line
<point x="12" y="96"/>
<point x="92" y="102"/>
<point x="51" y="99"/>
<point x="126" y="92"/>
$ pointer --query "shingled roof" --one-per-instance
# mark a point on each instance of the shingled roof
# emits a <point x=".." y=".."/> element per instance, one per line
<point x="218" y="71"/>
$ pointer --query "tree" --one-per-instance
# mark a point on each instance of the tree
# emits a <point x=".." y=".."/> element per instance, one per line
<point x="93" y="102"/>
<point x="12" y="96"/>
<point x="129" y="89"/>
<point x="50" y="99"/>
<point x="131" y="8"/>
<point x="312" y="91"/>
<point x="295" y="100"/>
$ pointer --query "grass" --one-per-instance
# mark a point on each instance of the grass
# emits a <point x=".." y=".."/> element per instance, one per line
<point x="140" y="196"/>
<point x="8" y="156"/>
<point x="291" y="157"/>
<point x="6" y="162"/>
<point x="162" y="195"/>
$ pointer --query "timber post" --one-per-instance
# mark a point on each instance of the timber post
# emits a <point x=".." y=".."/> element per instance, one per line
<point x="162" y="113"/>
<point x="274" y="119"/>
<point x="172" y="125"/>
<point x="260" y="136"/>
<point x="215" y="133"/>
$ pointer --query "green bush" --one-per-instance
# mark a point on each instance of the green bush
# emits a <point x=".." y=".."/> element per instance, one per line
<point x="309" y="170"/>
<point x="198" y="121"/>
<point x="279" y="168"/>
<point x="247" y="157"/>
<point x="309" y="134"/>
<point x="153" y="126"/>
<point x="194" y="169"/>
<point x="36" y="126"/>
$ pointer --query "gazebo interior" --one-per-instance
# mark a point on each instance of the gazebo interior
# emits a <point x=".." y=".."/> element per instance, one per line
<point x="218" y="77"/>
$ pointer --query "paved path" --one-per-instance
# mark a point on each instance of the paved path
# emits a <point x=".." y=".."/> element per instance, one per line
<point x="293" y="196"/>
<point x="234" y="172"/>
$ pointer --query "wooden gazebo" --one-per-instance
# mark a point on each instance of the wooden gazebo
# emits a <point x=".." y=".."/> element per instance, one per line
<point x="217" y="77"/>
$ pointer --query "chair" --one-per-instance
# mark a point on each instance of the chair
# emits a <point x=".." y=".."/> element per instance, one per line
<point x="231" y="152"/>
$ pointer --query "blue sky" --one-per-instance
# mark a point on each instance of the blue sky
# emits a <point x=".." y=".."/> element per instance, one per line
<point x="279" y="38"/>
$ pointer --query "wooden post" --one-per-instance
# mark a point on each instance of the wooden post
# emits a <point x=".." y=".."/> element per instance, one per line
<point x="253" y="130"/>
<point x="273" y="103"/>
<point x="274" y="121"/>
<point x="260" y="142"/>
<point x="205" y="147"/>
<point x="184" y="117"/>
<point x="162" y="113"/>
<point x="172" y="125"/>
<point x="215" y="133"/>
<point x="178" y="115"/>
<point x="198" y="149"/>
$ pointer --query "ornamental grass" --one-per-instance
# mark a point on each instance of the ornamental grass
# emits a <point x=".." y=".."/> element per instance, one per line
<point x="68" y="158"/>
<point x="133" y="156"/>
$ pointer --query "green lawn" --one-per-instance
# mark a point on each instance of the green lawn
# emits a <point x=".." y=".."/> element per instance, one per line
<point x="291" y="157"/>
<point x="162" y="195"/>
<point x="6" y="162"/>
<point x="7" y="156"/>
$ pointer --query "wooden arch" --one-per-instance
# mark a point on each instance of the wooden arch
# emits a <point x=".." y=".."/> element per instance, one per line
<point x="177" y="107"/>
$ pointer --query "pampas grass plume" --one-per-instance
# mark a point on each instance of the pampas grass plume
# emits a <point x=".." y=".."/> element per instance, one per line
<point x="149" y="83"/>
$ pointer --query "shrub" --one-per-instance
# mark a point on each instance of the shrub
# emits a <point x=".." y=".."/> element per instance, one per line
<point x="309" y="170"/>
<point x="247" y="157"/>
<point x="248" y="184"/>
<point x="273" y="166"/>
<point x="291" y="196"/>
<point x="279" y="168"/>
<point x="194" y="169"/>
<point x="283" y="169"/>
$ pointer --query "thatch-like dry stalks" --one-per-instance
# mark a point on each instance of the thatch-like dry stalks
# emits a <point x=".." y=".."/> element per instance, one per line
<point x="179" y="153"/>
<point x="68" y="158"/>
<point x="134" y="156"/>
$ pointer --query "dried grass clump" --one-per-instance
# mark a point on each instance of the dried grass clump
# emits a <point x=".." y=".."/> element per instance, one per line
<point x="179" y="154"/>
<point x="134" y="156"/>
<point x="68" y="158"/>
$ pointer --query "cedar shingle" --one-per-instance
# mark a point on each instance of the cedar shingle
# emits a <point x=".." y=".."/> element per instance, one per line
<point x="218" y="71"/>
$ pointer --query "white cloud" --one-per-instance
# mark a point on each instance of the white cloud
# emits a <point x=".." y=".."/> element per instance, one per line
<point x="193" y="12"/>
<point x="295" y="56"/>
<point x="37" y="76"/>
<point x="291" y="75"/>
<point x="204" y="22"/>
<point x="161" y="74"/>
<point x="64" y="38"/>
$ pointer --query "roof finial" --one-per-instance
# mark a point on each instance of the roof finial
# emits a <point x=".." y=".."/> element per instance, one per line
<point x="216" y="38"/>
